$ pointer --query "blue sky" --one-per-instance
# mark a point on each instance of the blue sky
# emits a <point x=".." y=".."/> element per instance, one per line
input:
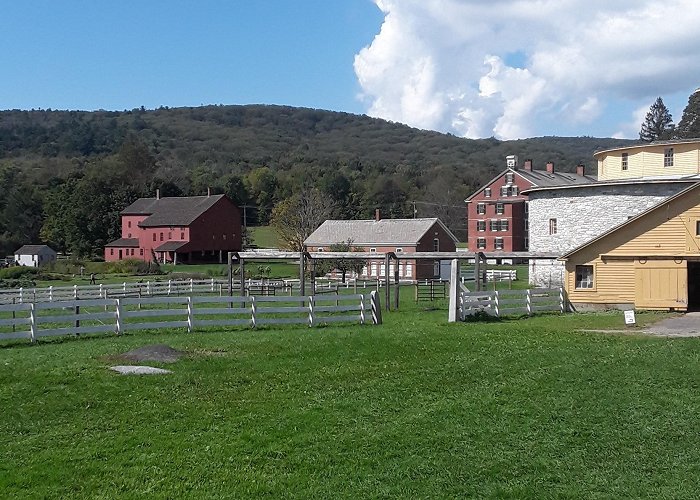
<point x="472" y="68"/>
<point x="124" y="54"/>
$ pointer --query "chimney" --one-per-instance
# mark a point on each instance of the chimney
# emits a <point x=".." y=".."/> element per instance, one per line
<point x="528" y="165"/>
<point x="550" y="167"/>
<point x="581" y="169"/>
<point x="377" y="215"/>
<point x="157" y="194"/>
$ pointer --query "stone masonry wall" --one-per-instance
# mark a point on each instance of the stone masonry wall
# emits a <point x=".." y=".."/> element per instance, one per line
<point x="583" y="214"/>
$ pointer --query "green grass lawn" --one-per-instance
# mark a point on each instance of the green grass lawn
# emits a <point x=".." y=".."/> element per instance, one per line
<point x="264" y="236"/>
<point x="413" y="408"/>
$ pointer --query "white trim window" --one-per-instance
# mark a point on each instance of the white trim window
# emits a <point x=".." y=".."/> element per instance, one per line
<point x="498" y="243"/>
<point x="373" y="268"/>
<point x="552" y="226"/>
<point x="409" y="269"/>
<point x="487" y="192"/>
<point x="584" y="277"/>
<point x="481" y="225"/>
<point x="436" y="245"/>
<point x="625" y="161"/>
<point x="668" y="157"/>
<point x="510" y="177"/>
<point x="500" y="208"/>
<point x="372" y="250"/>
<point x="481" y="243"/>
<point x="481" y="208"/>
<point x="399" y="250"/>
<point x="504" y="224"/>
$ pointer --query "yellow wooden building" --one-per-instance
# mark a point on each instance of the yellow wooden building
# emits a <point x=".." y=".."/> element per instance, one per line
<point x="651" y="261"/>
<point x="656" y="159"/>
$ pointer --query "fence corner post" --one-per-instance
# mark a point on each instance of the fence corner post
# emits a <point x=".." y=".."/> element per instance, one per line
<point x="118" y="316"/>
<point x="496" y="305"/>
<point x="190" y="315"/>
<point x="362" y="309"/>
<point x="454" y="286"/>
<point x="32" y="322"/>
<point x="376" y="308"/>
<point x="528" y="299"/>
<point x="253" y="311"/>
<point x="311" y="311"/>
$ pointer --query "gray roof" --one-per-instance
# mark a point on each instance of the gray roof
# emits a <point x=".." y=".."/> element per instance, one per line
<point x="373" y="232"/>
<point x="644" y="145"/>
<point x="674" y="179"/>
<point x="124" y="242"/>
<point x="176" y="211"/>
<point x="540" y="178"/>
<point x="33" y="249"/>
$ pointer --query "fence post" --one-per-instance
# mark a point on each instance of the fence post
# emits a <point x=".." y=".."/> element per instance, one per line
<point x="311" y="311"/>
<point x="495" y="298"/>
<point x="118" y="316"/>
<point x="50" y="293"/>
<point x="148" y="288"/>
<point x="376" y="308"/>
<point x="124" y="288"/>
<point x="170" y="286"/>
<point x="562" y="301"/>
<point x="75" y="292"/>
<point x="32" y="323"/>
<point x="101" y="292"/>
<point x="362" y="309"/>
<point x="191" y="285"/>
<point x="212" y="285"/>
<point x="21" y="295"/>
<point x="77" y="321"/>
<point x="190" y="314"/>
<point x="253" y="310"/>
<point x="528" y="300"/>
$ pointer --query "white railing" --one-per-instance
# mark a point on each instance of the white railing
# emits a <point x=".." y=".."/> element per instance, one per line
<point x="172" y="287"/>
<point x="31" y="320"/>
<point x="504" y="302"/>
<point x="492" y="275"/>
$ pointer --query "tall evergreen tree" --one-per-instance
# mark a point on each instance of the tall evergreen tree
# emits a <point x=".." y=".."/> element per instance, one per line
<point x="689" y="126"/>
<point x="658" y="124"/>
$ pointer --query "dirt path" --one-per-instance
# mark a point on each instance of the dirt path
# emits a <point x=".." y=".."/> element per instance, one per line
<point x="687" y="325"/>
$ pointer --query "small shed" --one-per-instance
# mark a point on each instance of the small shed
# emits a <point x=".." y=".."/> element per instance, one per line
<point x="651" y="261"/>
<point x="35" y="255"/>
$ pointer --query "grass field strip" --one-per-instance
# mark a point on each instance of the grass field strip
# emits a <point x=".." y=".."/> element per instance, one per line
<point x="503" y="302"/>
<point x="82" y="316"/>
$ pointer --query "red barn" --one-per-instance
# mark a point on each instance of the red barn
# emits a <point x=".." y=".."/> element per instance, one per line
<point x="178" y="230"/>
<point x="497" y="213"/>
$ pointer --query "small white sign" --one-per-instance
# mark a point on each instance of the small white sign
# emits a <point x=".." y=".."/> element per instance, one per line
<point x="629" y="318"/>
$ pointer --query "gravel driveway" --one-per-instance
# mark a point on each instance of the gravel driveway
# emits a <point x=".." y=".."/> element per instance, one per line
<point x="687" y="325"/>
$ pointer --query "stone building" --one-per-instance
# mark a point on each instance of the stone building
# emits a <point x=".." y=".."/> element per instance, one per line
<point x="565" y="217"/>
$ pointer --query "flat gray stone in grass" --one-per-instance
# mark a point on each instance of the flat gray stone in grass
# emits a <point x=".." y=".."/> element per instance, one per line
<point x="139" y="370"/>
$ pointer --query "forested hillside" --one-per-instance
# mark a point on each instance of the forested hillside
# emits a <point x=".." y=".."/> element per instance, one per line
<point x="65" y="175"/>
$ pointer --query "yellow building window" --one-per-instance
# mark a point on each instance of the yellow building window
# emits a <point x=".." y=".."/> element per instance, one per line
<point x="625" y="161"/>
<point x="584" y="277"/>
<point x="668" y="157"/>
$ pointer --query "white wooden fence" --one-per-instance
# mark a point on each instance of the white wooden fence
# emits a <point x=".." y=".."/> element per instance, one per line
<point x="168" y="288"/>
<point x="491" y="275"/>
<point x="503" y="302"/>
<point x="30" y="320"/>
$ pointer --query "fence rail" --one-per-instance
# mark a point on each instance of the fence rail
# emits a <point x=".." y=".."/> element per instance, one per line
<point x="32" y="321"/>
<point x="499" y="303"/>
<point x="169" y="288"/>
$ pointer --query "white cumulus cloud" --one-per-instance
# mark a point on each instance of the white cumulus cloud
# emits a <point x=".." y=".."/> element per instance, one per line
<point x="521" y="68"/>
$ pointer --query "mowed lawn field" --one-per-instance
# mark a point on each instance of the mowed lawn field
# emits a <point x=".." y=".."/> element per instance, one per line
<point x="533" y="408"/>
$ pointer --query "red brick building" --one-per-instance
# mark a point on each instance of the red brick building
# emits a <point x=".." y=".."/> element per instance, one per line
<point x="497" y="214"/>
<point x="178" y="230"/>
<point x="401" y="236"/>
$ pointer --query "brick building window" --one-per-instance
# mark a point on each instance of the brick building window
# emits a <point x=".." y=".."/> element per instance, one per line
<point x="128" y="224"/>
<point x="140" y="251"/>
<point x="500" y="208"/>
<point x="481" y="225"/>
<point x="154" y="236"/>
<point x="504" y="224"/>
<point x="111" y="251"/>
<point x="625" y="161"/>
<point x="509" y="177"/>
<point x="494" y="225"/>
<point x="552" y="226"/>
<point x="668" y="157"/>
<point x="481" y="208"/>
<point x="487" y="192"/>
<point x="584" y="276"/>
<point x="161" y="236"/>
<point x="182" y="236"/>
<point x="504" y="190"/>
<point x="498" y="243"/>
<point x="481" y="243"/>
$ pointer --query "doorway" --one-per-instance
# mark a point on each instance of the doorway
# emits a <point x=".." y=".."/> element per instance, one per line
<point x="693" y="286"/>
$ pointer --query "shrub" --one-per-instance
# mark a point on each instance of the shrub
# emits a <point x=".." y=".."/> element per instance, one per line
<point x="18" y="272"/>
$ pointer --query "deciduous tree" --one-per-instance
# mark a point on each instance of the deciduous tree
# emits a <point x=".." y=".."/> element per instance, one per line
<point x="298" y="216"/>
